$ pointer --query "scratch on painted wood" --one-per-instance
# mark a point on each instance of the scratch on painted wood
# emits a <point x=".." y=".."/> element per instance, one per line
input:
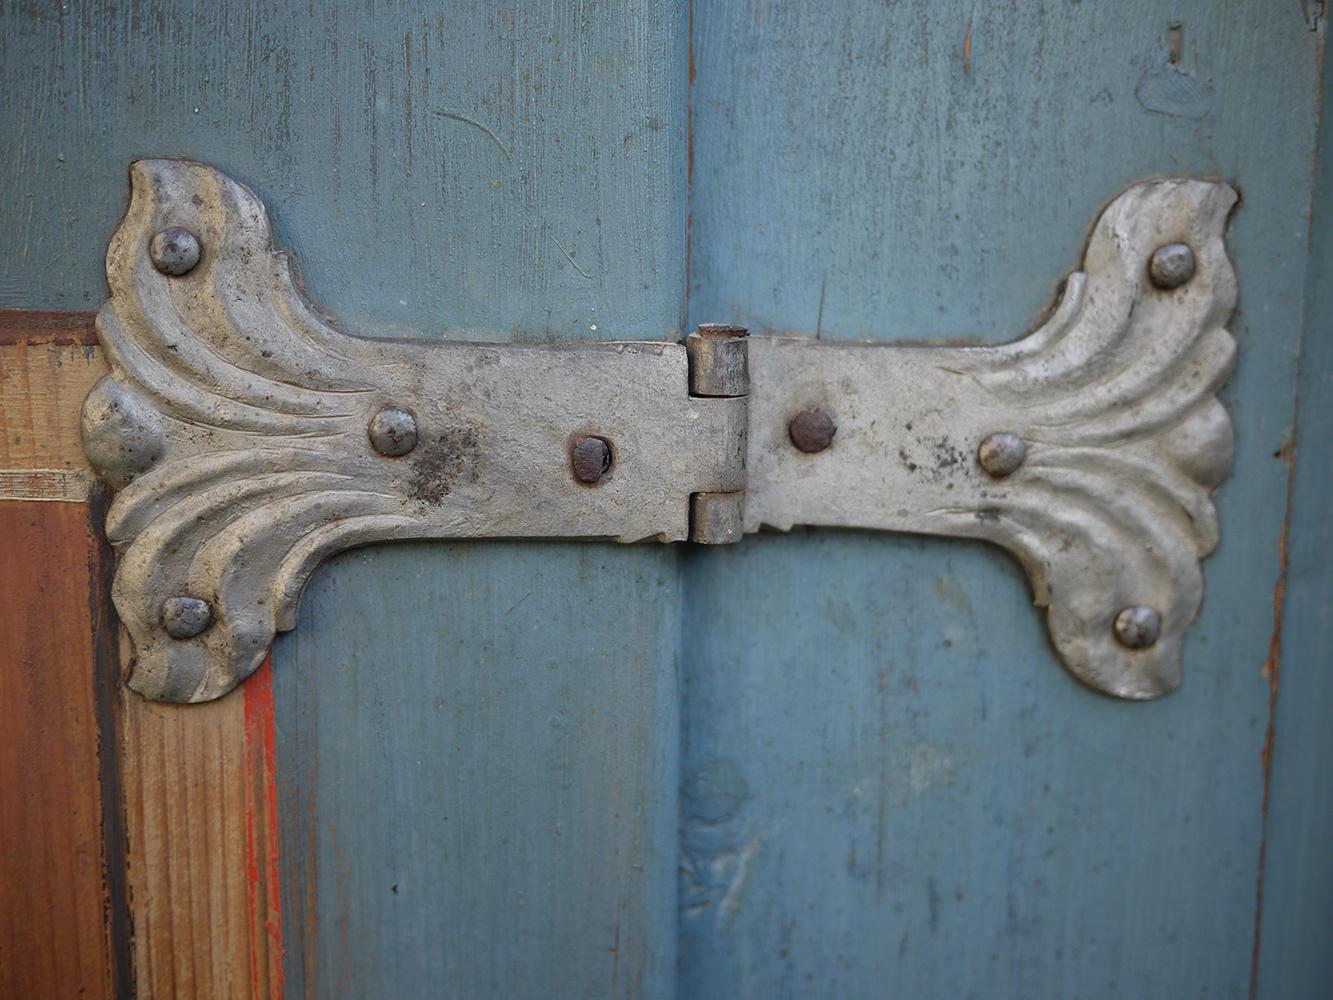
<point x="445" y="113"/>
<point x="572" y="262"/>
<point x="1272" y="671"/>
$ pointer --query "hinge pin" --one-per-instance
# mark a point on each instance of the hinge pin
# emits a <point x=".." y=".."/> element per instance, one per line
<point x="719" y="369"/>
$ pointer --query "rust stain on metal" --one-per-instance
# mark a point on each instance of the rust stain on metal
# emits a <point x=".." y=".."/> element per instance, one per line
<point x="263" y="885"/>
<point x="437" y="464"/>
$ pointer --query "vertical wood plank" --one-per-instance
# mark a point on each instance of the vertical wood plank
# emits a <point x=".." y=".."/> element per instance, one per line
<point x="890" y="786"/>
<point x="200" y="794"/>
<point x="63" y="929"/>
<point x="478" y="743"/>
<point x="1292" y="953"/>
<point x="187" y="830"/>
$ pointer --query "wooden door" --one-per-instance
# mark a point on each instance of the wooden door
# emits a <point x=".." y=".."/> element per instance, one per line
<point x="820" y="764"/>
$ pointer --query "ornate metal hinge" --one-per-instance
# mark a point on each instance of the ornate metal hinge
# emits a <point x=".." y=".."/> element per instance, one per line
<point x="248" y="439"/>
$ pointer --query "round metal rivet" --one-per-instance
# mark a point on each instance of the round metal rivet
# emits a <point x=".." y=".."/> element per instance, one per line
<point x="1138" y="626"/>
<point x="393" y="432"/>
<point x="186" y="617"/>
<point x="812" y="430"/>
<point x="175" y="251"/>
<point x="1171" y="265"/>
<point x="1002" y="453"/>
<point x="592" y="459"/>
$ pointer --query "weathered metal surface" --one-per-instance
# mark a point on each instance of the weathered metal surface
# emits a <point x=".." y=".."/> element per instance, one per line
<point x="1112" y="401"/>
<point x="1295" y="886"/>
<point x="238" y="425"/>
<point x="237" y="421"/>
<point x="717" y="518"/>
<point x="718" y="360"/>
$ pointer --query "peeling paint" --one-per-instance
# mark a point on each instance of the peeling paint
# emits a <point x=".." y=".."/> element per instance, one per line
<point x="1166" y="89"/>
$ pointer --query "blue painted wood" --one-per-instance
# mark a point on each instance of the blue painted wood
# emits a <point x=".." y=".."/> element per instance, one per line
<point x="890" y="787"/>
<point x="1295" y="959"/>
<point x="455" y="167"/>
<point x="477" y="761"/>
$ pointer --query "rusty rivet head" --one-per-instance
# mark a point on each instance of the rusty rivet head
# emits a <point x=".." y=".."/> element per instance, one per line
<point x="185" y="617"/>
<point x="174" y="251"/>
<point x="1138" y="626"/>
<point x="591" y="457"/>
<point x="393" y="432"/>
<point x="1171" y="266"/>
<point x="1002" y="453"/>
<point x="812" y="430"/>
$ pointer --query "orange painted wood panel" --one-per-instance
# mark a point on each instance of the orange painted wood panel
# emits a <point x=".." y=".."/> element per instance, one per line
<point x="63" y="926"/>
<point x="166" y="883"/>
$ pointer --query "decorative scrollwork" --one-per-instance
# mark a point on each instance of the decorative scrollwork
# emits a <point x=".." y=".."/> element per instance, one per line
<point x="249" y="440"/>
<point x="1089" y="448"/>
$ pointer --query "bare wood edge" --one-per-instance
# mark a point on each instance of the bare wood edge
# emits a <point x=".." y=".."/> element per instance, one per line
<point x="203" y="854"/>
<point x="193" y="905"/>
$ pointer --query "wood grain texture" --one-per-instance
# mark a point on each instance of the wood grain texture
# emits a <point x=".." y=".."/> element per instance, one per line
<point x="200" y="798"/>
<point x="63" y="926"/>
<point x="193" y="831"/>
<point x="48" y="362"/>
<point x="887" y="790"/>
<point x="1296" y="891"/>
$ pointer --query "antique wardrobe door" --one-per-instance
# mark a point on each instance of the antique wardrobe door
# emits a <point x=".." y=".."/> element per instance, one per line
<point x="816" y="764"/>
<point x="887" y="791"/>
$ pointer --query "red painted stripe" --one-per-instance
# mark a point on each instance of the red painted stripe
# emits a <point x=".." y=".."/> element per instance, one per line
<point x="262" y="887"/>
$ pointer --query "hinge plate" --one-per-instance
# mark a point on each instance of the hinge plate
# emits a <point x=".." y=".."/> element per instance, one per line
<point x="248" y="439"/>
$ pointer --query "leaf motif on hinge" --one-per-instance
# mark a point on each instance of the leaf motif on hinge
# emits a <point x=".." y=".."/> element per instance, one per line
<point x="1115" y="399"/>
<point x="234" y="427"/>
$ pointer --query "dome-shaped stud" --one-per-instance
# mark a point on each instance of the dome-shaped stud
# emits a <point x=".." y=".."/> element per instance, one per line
<point x="174" y="251"/>
<point x="591" y="459"/>
<point x="812" y="430"/>
<point x="1138" y="626"/>
<point x="393" y="432"/>
<point x="1171" y="266"/>
<point x="1001" y="454"/>
<point x="186" y="617"/>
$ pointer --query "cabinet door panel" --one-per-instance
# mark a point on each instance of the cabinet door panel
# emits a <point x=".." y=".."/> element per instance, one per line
<point x="920" y="803"/>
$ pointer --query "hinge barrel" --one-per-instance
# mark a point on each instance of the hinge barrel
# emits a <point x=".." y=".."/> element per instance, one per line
<point x="720" y="370"/>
